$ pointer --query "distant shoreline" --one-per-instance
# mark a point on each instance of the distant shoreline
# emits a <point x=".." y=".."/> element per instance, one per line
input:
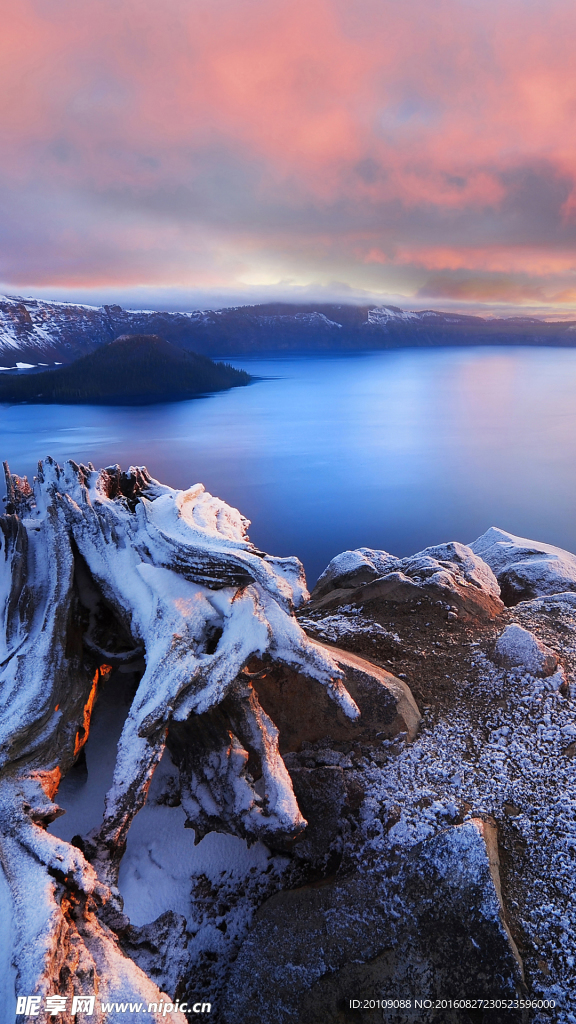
<point x="35" y="331"/>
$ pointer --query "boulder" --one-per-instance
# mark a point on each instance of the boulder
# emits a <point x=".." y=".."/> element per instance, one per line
<point x="435" y="930"/>
<point x="450" y="576"/>
<point x="351" y="569"/>
<point x="322" y="797"/>
<point x="525" y="568"/>
<point x="516" y="647"/>
<point x="302" y="711"/>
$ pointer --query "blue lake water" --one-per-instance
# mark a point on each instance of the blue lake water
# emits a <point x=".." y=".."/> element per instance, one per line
<point x="392" y="450"/>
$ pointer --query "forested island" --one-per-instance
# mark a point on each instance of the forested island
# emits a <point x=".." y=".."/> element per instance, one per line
<point x="134" y="369"/>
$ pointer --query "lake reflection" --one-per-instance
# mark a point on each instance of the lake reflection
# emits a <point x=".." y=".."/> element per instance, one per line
<point x="392" y="450"/>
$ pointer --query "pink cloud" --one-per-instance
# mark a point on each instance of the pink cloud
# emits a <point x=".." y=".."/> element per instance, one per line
<point x="193" y="141"/>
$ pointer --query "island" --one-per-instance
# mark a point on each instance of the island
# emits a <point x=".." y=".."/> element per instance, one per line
<point x="134" y="369"/>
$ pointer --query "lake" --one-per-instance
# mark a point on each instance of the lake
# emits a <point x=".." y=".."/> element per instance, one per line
<point x="392" y="450"/>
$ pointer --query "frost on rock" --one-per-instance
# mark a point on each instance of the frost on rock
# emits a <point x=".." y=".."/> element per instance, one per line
<point x="525" y="568"/>
<point x="111" y="567"/>
<point x="418" y="903"/>
<point x="435" y="926"/>
<point x="354" y="568"/>
<point x="518" y="647"/>
<point x="450" y="574"/>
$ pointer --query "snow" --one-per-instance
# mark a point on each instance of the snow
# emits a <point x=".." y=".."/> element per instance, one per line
<point x="30" y="858"/>
<point x="35" y="323"/>
<point x="348" y="562"/>
<point x="526" y="564"/>
<point x="7" y="970"/>
<point x="310" y="319"/>
<point x="28" y="647"/>
<point x="513" y="756"/>
<point x="316" y="320"/>
<point x="345" y="623"/>
<point x="383" y="315"/>
<point x="460" y="561"/>
<point x="31" y="303"/>
<point x="161" y="858"/>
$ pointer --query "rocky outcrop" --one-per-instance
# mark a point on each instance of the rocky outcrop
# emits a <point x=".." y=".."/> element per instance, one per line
<point x="498" y="738"/>
<point x="525" y="568"/>
<point x="435" y="927"/>
<point x="449" y="577"/>
<point x="387" y="816"/>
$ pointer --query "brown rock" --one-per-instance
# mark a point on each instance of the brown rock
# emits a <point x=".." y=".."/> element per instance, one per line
<point x="302" y="711"/>
<point x="472" y="603"/>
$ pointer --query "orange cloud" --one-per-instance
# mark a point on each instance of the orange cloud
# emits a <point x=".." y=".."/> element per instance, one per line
<point x="491" y="290"/>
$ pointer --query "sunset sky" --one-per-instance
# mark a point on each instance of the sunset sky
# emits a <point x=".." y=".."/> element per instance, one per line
<point x="207" y="152"/>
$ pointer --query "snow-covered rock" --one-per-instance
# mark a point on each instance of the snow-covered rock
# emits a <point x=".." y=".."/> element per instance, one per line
<point x="352" y="569"/>
<point x="450" y="573"/>
<point x="518" y="648"/>
<point x="435" y="926"/>
<point x="525" y="568"/>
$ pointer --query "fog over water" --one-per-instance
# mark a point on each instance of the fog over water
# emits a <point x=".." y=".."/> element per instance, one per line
<point x="392" y="450"/>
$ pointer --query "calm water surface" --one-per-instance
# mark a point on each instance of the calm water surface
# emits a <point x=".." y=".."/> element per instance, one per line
<point x="392" y="450"/>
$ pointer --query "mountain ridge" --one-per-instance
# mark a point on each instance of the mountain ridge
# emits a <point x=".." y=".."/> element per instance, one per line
<point x="37" y="331"/>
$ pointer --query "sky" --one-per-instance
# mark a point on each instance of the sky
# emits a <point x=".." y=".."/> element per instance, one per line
<point x="187" y="153"/>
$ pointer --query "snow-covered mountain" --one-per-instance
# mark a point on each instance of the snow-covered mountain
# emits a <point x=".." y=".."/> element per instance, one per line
<point x="33" y="331"/>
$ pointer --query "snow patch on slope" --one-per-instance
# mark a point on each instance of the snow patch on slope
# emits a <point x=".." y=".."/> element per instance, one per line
<point x="161" y="858"/>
